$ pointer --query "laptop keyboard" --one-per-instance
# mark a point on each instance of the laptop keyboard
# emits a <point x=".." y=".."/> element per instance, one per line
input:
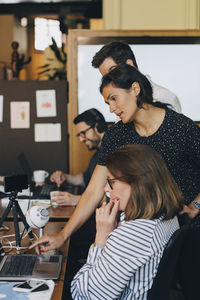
<point x="46" y="189"/>
<point x="43" y="192"/>
<point x="20" y="265"/>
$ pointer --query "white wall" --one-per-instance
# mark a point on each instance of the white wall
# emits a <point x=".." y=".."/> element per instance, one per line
<point x="176" y="67"/>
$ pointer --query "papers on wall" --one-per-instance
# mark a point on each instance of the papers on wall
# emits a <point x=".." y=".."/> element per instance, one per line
<point x="46" y="103"/>
<point x="20" y="114"/>
<point x="1" y="108"/>
<point x="47" y="132"/>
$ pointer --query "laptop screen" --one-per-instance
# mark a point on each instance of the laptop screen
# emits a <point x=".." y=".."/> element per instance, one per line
<point x="25" y="166"/>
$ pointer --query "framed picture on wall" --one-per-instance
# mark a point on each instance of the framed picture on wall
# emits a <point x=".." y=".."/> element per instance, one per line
<point x="20" y="114"/>
<point x="46" y="103"/>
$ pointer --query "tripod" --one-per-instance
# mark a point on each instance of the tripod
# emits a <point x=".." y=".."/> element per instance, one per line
<point x="16" y="210"/>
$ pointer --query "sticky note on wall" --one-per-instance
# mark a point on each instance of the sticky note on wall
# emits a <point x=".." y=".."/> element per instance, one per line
<point x="47" y="132"/>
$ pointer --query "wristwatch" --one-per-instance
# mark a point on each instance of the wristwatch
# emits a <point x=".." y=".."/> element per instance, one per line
<point x="197" y="204"/>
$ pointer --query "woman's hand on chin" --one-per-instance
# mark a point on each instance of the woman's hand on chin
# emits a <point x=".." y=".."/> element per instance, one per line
<point x="106" y="221"/>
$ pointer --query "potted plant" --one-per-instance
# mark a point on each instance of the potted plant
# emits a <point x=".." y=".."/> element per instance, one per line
<point x="55" y="69"/>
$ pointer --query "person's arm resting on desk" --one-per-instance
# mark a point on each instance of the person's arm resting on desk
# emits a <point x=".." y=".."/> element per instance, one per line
<point x="65" y="198"/>
<point x="86" y="206"/>
<point x="59" y="177"/>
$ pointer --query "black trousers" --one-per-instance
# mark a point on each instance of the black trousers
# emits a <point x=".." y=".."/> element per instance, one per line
<point x="189" y="265"/>
<point x="80" y="243"/>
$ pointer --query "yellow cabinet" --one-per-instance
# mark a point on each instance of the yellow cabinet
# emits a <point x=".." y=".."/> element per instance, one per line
<point x="151" y="14"/>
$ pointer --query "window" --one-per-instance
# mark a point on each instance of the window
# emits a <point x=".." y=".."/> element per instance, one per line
<point x="45" y="29"/>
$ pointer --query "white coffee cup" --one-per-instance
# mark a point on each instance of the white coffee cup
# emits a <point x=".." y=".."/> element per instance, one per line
<point x="39" y="176"/>
<point x="52" y="197"/>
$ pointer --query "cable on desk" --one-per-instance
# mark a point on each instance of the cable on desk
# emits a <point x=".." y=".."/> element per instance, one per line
<point x="6" y="243"/>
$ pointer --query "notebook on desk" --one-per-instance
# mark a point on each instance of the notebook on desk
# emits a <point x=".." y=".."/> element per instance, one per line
<point x="42" y="192"/>
<point x="26" y="266"/>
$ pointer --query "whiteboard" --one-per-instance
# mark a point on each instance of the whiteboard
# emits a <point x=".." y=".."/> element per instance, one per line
<point x="173" y="66"/>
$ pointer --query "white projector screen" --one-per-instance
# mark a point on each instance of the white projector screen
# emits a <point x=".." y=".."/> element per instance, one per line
<point x="172" y="62"/>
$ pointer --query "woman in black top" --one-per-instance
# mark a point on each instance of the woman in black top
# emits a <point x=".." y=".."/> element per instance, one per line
<point x="174" y="136"/>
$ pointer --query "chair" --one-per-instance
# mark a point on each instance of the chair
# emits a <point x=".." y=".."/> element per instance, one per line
<point x="189" y="264"/>
<point x="163" y="284"/>
<point x="177" y="277"/>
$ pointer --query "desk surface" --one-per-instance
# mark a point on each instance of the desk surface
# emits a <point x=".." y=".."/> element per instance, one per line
<point x="57" y="215"/>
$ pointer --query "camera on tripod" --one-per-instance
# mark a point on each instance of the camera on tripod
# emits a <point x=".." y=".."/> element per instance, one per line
<point x="15" y="183"/>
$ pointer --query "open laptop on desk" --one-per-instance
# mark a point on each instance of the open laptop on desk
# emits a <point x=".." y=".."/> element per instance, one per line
<point x="42" y="192"/>
<point x="27" y="266"/>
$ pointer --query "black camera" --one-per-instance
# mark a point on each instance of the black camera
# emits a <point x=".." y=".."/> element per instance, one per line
<point x="15" y="183"/>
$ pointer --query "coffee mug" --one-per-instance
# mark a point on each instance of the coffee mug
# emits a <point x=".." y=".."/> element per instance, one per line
<point x="39" y="176"/>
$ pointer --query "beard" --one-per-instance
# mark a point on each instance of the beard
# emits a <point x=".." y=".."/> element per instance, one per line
<point x="93" y="145"/>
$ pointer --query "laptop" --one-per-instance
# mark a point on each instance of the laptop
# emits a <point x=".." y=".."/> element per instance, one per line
<point x="29" y="266"/>
<point x="42" y="192"/>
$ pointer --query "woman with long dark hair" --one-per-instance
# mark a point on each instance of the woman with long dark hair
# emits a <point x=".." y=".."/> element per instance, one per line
<point x="176" y="137"/>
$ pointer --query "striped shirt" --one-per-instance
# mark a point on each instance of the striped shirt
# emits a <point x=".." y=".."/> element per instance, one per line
<point x="125" y="267"/>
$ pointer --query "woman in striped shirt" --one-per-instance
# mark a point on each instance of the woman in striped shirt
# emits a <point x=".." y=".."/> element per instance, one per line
<point x="124" y="258"/>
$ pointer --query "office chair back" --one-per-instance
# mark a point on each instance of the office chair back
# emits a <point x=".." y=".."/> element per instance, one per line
<point x="189" y="264"/>
<point x="166" y="273"/>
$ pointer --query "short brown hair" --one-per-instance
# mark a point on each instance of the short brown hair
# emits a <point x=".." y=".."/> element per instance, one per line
<point x="154" y="193"/>
<point x="120" y="52"/>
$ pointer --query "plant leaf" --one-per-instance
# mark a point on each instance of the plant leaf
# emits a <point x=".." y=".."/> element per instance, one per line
<point x="44" y="66"/>
<point x="45" y="71"/>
